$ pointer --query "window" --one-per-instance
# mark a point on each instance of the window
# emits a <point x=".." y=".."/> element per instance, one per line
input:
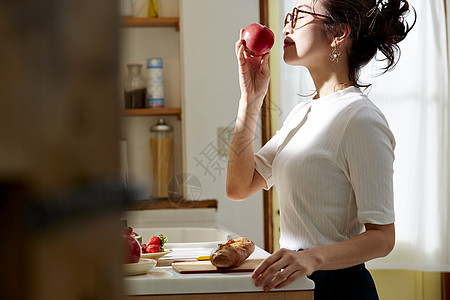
<point x="415" y="100"/>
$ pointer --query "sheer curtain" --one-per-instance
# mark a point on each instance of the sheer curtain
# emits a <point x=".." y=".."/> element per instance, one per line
<point x="414" y="99"/>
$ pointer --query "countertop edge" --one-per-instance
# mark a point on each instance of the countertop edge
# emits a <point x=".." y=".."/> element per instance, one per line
<point x="231" y="284"/>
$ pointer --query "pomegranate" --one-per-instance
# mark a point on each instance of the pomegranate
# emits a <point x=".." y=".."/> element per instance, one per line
<point x="132" y="247"/>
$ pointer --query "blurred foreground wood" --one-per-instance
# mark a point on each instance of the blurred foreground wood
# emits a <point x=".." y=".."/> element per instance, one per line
<point x="59" y="150"/>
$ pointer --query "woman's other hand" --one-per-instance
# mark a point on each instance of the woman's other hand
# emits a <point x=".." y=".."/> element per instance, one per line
<point x="282" y="268"/>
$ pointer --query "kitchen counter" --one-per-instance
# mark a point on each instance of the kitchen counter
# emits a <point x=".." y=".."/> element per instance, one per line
<point x="166" y="281"/>
<point x="194" y="232"/>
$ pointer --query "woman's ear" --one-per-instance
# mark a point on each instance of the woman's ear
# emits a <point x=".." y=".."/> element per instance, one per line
<point x="341" y="35"/>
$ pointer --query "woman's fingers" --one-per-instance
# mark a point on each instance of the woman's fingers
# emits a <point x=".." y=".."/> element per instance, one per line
<point x="240" y="52"/>
<point x="240" y="42"/>
<point x="284" y="281"/>
<point x="279" y="270"/>
<point x="269" y="268"/>
<point x="265" y="264"/>
<point x="272" y="272"/>
<point x="265" y="65"/>
<point x="283" y="278"/>
<point x="291" y="278"/>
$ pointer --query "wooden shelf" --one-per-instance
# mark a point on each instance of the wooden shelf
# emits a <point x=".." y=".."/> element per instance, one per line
<point x="173" y="111"/>
<point x="172" y="204"/>
<point x="151" y="22"/>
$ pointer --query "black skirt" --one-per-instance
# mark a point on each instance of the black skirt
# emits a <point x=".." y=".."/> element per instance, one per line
<point x="354" y="283"/>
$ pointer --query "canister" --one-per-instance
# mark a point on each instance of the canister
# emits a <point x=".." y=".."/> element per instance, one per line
<point x="161" y="147"/>
<point x="155" y="83"/>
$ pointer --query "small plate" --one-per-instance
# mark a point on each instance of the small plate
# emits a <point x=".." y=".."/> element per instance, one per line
<point x="143" y="266"/>
<point x="156" y="255"/>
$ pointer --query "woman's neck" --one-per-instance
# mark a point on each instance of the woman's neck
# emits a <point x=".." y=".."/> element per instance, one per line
<point x="330" y="79"/>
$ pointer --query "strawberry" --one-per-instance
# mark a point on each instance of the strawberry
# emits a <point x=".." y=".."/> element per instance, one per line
<point x="152" y="248"/>
<point x="158" y="241"/>
<point x="154" y="240"/>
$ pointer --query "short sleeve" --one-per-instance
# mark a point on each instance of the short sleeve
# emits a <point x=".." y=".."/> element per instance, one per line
<point x="368" y="145"/>
<point x="264" y="159"/>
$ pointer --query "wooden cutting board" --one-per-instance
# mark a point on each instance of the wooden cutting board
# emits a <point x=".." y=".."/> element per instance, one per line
<point x="192" y="267"/>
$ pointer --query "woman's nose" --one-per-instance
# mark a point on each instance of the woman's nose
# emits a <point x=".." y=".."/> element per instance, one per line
<point x="287" y="29"/>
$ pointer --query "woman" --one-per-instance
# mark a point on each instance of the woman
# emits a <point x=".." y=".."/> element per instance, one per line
<point x="332" y="160"/>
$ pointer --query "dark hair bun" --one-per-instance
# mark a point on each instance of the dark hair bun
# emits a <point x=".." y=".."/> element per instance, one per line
<point x="376" y="25"/>
<point x="389" y="28"/>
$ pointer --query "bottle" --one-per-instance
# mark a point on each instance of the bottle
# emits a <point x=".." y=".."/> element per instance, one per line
<point x="161" y="147"/>
<point x="134" y="87"/>
<point x="155" y="83"/>
<point x="152" y="11"/>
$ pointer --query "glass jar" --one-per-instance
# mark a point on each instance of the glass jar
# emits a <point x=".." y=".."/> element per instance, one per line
<point x="134" y="87"/>
<point x="161" y="147"/>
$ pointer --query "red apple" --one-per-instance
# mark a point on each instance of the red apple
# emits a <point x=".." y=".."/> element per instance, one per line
<point x="132" y="249"/>
<point x="258" y="39"/>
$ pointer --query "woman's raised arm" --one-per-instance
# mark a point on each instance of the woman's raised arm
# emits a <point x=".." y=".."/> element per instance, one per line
<point x="254" y="77"/>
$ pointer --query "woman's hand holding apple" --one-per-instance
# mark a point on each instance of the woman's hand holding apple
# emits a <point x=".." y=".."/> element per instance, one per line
<point x="254" y="74"/>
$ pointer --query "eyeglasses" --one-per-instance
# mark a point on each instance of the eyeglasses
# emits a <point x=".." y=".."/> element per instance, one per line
<point x="293" y="17"/>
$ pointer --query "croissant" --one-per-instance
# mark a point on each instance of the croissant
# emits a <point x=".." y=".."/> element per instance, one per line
<point x="233" y="253"/>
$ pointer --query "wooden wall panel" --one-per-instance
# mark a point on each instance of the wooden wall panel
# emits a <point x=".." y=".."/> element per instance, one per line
<point x="266" y="124"/>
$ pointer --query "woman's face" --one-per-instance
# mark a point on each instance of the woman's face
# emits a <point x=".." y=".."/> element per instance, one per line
<point x="307" y="44"/>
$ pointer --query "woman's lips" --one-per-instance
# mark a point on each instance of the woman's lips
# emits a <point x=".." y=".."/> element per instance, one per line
<point x="288" y="42"/>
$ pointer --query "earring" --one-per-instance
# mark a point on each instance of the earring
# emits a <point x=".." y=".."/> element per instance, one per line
<point x="335" y="55"/>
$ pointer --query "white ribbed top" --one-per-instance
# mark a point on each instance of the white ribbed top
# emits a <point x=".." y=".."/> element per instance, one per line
<point x="332" y="163"/>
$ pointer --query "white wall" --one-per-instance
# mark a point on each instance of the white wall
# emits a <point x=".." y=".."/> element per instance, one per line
<point x="209" y="31"/>
<point x="136" y="46"/>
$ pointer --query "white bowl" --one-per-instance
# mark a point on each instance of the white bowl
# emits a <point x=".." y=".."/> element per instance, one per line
<point x="143" y="266"/>
<point x="156" y="255"/>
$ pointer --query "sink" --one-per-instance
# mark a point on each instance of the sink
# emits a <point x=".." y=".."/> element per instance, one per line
<point x="184" y="228"/>
<point x="183" y="237"/>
